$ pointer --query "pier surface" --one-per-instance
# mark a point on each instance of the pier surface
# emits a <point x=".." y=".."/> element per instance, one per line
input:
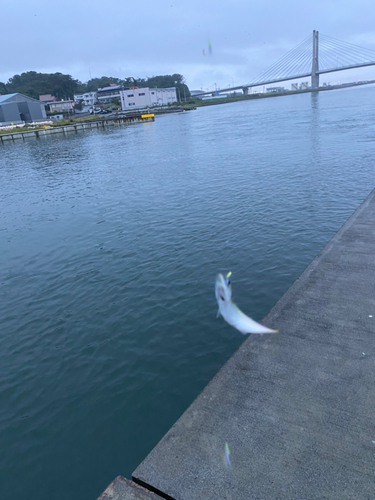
<point x="123" y="489"/>
<point x="295" y="411"/>
<point x="77" y="126"/>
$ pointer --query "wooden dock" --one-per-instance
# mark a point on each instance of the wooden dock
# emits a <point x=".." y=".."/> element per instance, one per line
<point x="78" y="126"/>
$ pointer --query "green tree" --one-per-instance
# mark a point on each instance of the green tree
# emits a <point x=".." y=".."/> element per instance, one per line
<point x="34" y="84"/>
<point x="63" y="86"/>
<point x="165" y="81"/>
<point x="78" y="105"/>
<point x="99" y="83"/>
<point x="130" y="81"/>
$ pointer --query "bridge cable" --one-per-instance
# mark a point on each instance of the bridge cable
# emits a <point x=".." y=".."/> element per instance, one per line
<point x="286" y="64"/>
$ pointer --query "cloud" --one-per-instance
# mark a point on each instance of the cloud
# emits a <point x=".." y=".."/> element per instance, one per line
<point x="146" y="38"/>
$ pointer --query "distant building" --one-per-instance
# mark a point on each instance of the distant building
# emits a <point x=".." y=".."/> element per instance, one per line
<point x="47" y="98"/>
<point x="17" y="108"/>
<point x="275" y="89"/>
<point x="146" y="97"/>
<point x="63" y="106"/>
<point x="215" y="95"/>
<point x="88" y="98"/>
<point x="106" y="94"/>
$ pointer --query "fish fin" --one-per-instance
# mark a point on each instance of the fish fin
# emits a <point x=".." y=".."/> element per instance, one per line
<point x="269" y="330"/>
<point x="218" y="313"/>
<point x="255" y="331"/>
<point x="246" y="325"/>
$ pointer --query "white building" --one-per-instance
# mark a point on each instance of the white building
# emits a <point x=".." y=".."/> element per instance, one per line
<point x="107" y="94"/>
<point x="146" y="97"/>
<point x="88" y="98"/>
<point x="63" y="106"/>
<point x="275" y="89"/>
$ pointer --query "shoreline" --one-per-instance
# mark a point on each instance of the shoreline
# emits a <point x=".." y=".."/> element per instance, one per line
<point x="287" y="400"/>
<point x="76" y="126"/>
<point x="96" y="121"/>
<point x="225" y="100"/>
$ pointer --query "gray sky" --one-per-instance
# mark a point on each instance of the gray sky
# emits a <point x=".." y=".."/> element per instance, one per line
<point x="146" y="38"/>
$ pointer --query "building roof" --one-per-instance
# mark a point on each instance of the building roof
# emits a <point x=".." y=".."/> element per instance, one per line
<point x="85" y="93"/>
<point x="9" y="97"/>
<point x="62" y="102"/>
<point x="161" y="89"/>
<point x="5" y="97"/>
<point x="112" y="87"/>
<point x="47" y="97"/>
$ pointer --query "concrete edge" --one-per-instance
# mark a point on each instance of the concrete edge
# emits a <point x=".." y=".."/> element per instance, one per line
<point x="296" y="286"/>
<point x="154" y="490"/>
<point x="124" y="489"/>
<point x="273" y="313"/>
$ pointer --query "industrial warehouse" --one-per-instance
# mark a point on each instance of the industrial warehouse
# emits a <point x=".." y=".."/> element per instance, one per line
<point x="18" y="108"/>
<point x="145" y="97"/>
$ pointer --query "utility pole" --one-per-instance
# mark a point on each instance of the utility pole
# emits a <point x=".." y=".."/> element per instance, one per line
<point x="315" y="61"/>
<point x="178" y="92"/>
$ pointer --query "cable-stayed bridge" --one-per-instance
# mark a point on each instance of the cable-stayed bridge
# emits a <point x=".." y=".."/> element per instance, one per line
<point x="314" y="56"/>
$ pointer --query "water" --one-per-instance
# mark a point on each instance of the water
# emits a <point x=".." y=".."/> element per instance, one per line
<point x="110" y="243"/>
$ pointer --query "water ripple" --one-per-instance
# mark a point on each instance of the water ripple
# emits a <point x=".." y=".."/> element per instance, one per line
<point x="111" y="240"/>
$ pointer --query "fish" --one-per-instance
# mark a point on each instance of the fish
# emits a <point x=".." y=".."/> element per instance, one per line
<point x="231" y="313"/>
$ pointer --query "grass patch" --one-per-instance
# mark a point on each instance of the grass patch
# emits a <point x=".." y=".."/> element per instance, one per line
<point x="19" y="130"/>
<point x="71" y="121"/>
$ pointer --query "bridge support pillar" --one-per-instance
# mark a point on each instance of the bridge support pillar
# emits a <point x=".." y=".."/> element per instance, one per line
<point x="315" y="62"/>
<point x="245" y="90"/>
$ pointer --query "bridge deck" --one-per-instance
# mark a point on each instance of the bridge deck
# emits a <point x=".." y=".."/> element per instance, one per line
<point x="296" y="409"/>
<point x="285" y="79"/>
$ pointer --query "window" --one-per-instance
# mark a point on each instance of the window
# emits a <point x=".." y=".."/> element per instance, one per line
<point x="131" y="103"/>
<point x="130" y="95"/>
<point x="152" y="92"/>
<point x="141" y="93"/>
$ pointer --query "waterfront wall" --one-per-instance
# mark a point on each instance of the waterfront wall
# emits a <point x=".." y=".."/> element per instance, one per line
<point x="290" y="415"/>
<point x="75" y="127"/>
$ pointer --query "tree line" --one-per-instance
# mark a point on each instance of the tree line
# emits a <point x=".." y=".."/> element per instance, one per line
<point x="63" y="86"/>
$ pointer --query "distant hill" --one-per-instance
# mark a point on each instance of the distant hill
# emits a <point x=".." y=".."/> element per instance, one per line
<point x="62" y="86"/>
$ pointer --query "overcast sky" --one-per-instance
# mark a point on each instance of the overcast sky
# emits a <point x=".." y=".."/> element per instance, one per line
<point x="144" y="38"/>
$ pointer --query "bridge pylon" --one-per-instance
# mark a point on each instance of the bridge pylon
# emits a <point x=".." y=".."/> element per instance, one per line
<point x="328" y="55"/>
<point x="315" y="61"/>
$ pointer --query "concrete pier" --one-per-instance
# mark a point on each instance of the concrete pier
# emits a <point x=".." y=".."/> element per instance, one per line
<point x="123" y="489"/>
<point x="289" y="416"/>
